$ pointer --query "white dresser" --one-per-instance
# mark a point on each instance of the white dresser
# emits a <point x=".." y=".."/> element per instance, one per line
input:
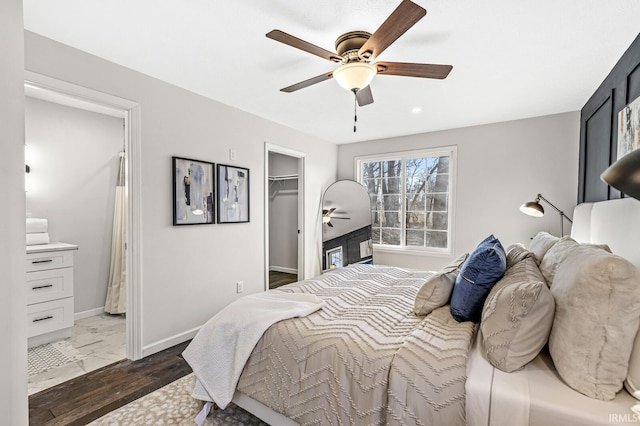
<point x="50" y="292"/>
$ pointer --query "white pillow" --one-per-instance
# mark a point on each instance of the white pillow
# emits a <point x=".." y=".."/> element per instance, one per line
<point x="555" y="256"/>
<point x="541" y="243"/>
<point x="597" y="297"/>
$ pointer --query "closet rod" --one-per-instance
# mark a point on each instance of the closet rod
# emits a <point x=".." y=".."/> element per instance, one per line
<point x="283" y="177"/>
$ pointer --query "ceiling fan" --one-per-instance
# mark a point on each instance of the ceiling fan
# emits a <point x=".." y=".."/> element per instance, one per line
<point x="326" y="216"/>
<point x="356" y="51"/>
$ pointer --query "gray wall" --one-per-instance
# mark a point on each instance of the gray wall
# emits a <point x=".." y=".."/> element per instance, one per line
<point x="73" y="155"/>
<point x="13" y="333"/>
<point x="500" y="166"/>
<point x="283" y="215"/>
<point x="190" y="272"/>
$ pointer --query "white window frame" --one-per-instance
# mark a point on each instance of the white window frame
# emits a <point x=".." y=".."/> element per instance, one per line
<point x="452" y="153"/>
<point x="331" y="252"/>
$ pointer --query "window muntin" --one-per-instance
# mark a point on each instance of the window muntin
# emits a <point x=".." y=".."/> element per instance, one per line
<point x="410" y="198"/>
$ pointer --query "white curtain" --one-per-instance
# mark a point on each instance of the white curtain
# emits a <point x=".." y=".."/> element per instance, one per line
<point x="116" y="302"/>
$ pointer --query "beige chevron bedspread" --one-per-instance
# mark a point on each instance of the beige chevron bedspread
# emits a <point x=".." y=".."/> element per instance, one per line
<point x="365" y="359"/>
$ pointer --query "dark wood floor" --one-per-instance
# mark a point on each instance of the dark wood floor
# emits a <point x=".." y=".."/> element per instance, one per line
<point x="277" y="279"/>
<point x="86" y="398"/>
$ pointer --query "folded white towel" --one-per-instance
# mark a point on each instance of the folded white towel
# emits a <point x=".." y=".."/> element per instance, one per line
<point x="35" y="225"/>
<point x="40" y="238"/>
<point x="222" y="346"/>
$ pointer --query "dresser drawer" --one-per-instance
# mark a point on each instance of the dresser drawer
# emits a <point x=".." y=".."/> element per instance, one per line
<point x="49" y="316"/>
<point x="52" y="284"/>
<point x="49" y="260"/>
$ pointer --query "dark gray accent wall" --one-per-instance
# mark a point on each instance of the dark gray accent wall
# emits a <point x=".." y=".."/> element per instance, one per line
<point x="599" y="125"/>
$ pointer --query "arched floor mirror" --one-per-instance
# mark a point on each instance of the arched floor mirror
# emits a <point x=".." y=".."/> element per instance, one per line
<point x="346" y="225"/>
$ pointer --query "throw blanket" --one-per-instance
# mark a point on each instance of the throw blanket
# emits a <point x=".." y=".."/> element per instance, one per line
<point x="365" y="359"/>
<point x="220" y="349"/>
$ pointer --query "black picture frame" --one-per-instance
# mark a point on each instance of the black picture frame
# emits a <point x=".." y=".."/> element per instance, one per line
<point x="193" y="191"/>
<point x="233" y="204"/>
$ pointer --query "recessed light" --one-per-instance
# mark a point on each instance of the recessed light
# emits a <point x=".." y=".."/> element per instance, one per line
<point x="416" y="110"/>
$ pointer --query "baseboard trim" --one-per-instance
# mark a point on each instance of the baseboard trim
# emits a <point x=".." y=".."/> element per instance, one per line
<point x="90" y="313"/>
<point x="283" y="269"/>
<point x="169" y="342"/>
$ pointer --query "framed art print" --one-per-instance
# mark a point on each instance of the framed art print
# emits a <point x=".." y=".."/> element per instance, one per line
<point x="233" y="194"/>
<point x="193" y="192"/>
<point x="629" y="128"/>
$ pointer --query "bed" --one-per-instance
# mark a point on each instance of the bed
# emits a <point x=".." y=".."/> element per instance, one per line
<point x="366" y="358"/>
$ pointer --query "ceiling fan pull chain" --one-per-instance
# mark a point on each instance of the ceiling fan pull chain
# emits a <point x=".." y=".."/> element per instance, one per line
<point x="355" y="109"/>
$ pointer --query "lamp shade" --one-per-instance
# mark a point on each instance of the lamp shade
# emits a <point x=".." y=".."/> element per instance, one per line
<point x="355" y="75"/>
<point x="532" y="208"/>
<point x="624" y="174"/>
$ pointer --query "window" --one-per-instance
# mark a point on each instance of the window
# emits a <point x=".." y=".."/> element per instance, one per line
<point x="411" y="198"/>
<point x="334" y="258"/>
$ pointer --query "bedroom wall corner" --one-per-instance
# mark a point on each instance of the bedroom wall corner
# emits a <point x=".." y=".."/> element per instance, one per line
<point x="13" y="354"/>
<point x="500" y="166"/>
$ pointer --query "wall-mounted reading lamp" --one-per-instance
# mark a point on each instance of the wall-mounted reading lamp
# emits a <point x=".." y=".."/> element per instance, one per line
<point x="533" y="208"/>
<point x="624" y="174"/>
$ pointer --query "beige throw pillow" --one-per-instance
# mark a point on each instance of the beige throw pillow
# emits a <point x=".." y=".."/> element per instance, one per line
<point x="516" y="253"/>
<point x="597" y="298"/>
<point x="555" y="256"/>
<point x="437" y="290"/>
<point x="517" y="317"/>
<point x="541" y="243"/>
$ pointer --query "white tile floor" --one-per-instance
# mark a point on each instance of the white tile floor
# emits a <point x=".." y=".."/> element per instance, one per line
<point x="102" y="339"/>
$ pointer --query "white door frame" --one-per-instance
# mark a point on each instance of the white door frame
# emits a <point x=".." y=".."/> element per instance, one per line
<point x="61" y="92"/>
<point x="269" y="147"/>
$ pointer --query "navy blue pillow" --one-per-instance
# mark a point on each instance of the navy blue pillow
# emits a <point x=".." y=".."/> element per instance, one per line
<point x="485" y="266"/>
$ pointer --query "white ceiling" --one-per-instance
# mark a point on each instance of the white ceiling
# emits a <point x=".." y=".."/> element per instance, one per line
<point x="511" y="58"/>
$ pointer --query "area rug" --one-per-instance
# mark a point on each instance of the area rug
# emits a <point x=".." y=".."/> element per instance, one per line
<point x="173" y="405"/>
<point x="52" y="355"/>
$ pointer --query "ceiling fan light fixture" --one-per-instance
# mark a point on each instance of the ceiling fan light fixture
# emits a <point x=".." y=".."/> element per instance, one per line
<point x="355" y="75"/>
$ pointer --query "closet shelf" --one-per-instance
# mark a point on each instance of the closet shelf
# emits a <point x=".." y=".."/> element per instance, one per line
<point x="282" y="177"/>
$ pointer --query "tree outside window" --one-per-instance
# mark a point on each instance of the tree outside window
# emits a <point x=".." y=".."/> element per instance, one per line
<point x="410" y="198"/>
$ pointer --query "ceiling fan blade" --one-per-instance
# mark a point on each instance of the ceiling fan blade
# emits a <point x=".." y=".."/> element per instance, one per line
<point x="329" y="223"/>
<point x="413" y="70"/>
<point x="364" y="96"/>
<point x="336" y="217"/>
<point x="298" y="43"/>
<point x="400" y="20"/>
<point x="307" y="83"/>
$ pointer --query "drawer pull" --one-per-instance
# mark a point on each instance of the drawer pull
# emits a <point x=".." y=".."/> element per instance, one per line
<point x="42" y="261"/>
<point x="38" y="287"/>
<point x="43" y="318"/>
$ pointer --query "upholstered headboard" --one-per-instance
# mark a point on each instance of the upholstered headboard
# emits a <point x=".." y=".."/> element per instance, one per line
<point x="613" y="222"/>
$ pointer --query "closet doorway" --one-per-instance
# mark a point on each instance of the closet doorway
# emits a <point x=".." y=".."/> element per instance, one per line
<point x="284" y="216"/>
<point x="75" y="187"/>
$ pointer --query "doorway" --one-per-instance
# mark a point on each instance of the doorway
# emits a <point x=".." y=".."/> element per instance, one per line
<point x="45" y="95"/>
<point x="284" y="216"/>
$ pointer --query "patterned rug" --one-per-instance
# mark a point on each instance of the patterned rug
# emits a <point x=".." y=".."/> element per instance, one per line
<point x="52" y="355"/>
<point x="173" y="405"/>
